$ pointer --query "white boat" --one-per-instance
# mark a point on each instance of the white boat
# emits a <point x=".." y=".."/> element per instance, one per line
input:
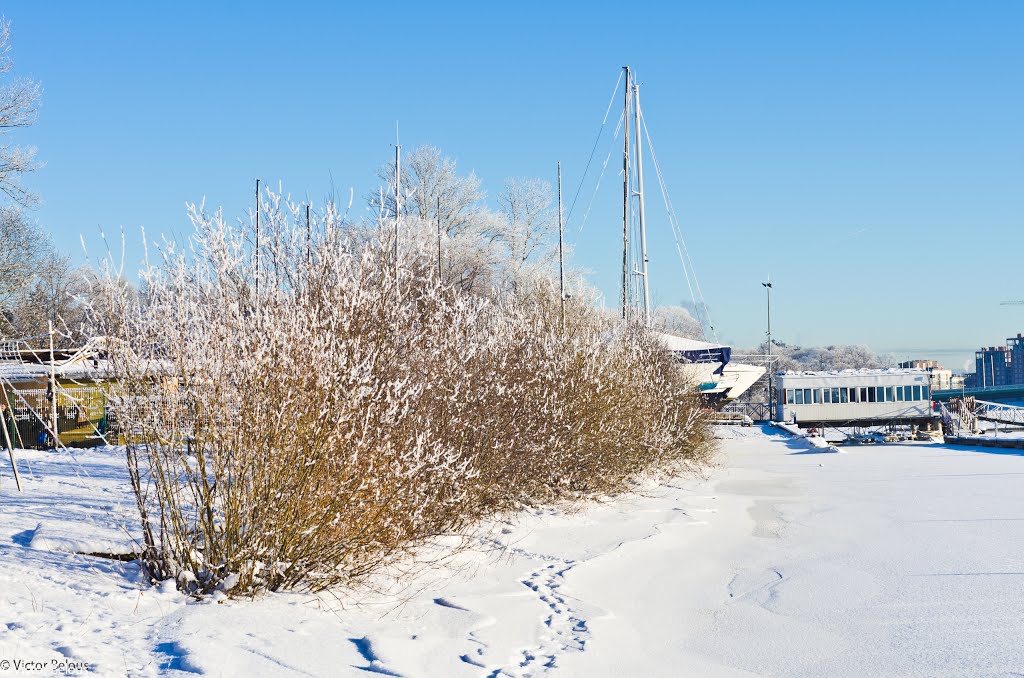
<point x="709" y="367"/>
<point x="708" y="364"/>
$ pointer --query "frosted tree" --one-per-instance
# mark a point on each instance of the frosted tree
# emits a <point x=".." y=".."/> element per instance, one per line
<point x="529" y="221"/>
<point x="24" y="248"/>
<point x="19" y="104"/>
<point x="432" y="190"/>
<point x="20" y="245"/>
<point x="53" y="298"/>
<point x="677" y="320"/>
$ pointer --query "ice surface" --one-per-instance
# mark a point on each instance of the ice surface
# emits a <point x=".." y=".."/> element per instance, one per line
<point x="890" y="560"/>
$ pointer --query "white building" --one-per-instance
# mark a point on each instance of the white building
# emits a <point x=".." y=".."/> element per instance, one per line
<point x="941" y="379"/>
<point x="853" y="397"/>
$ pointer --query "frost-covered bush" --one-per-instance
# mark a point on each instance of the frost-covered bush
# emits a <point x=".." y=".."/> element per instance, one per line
<point x="300" y="414"/>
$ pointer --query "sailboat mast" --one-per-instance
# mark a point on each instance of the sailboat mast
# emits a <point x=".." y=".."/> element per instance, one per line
<point x="640" y="196"/>
<point x="625" y="204"/>
<point x="398" y="192"/>
<point x="561" y="256"/>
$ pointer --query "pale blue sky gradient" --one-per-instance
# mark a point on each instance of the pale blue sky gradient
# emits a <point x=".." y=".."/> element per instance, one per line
<point x="869" y="156"/>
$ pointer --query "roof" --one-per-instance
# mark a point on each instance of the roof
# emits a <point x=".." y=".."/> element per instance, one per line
<point x="18" y="371"/>
<point x="674" y="343"/>
<point x="864" y="372"/>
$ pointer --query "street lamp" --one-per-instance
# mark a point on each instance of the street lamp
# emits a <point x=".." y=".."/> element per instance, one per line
<point x="771" y="386"/>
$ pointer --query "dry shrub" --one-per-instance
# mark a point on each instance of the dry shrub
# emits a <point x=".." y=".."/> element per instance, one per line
<point x="300" y="418"/>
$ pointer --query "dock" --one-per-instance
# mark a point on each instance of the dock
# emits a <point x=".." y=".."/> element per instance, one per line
<point x="985" y="441"/>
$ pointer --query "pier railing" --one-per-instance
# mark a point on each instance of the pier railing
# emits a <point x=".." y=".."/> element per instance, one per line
<point x="759" y="412"/>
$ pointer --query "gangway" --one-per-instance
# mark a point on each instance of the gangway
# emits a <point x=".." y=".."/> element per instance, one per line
<point x="962" y="414"/>
<point x="1000" y="413"/>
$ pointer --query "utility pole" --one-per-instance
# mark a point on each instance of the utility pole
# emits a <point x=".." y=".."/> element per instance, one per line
<point x="561" y="256"/>
<point x="625" y="204"/>
<point x="771" y="378"/>
<point x="640" y="197"/>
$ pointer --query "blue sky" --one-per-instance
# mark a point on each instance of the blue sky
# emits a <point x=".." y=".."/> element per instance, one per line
<point x="868" y="156"/>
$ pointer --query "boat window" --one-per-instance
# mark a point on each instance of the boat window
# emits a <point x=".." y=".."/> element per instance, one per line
<point x="842" y="394"/>
<point x="871" y="395"/>
<point x="817" y="396"/>
<point x="789" y="396"/>
<point x="835" y="395"/>
<point x="799" y="396"/>
<point x="826" y="395"/>
<point x="917" y="393"/>
<point x="807" y="396"/>
<point x="864" y="397"/>
<point x="899" y="394"/>
<point x="888" y="394"/>
<point x="924" y="393"/>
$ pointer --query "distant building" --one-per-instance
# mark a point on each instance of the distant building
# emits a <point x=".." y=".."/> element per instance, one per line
<point x="940" y="379"/>
<point x="1016" y="345"/>
<point x="993" y="366"/>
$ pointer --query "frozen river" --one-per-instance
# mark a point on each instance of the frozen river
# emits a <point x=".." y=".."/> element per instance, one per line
<point x="884" y="560"/>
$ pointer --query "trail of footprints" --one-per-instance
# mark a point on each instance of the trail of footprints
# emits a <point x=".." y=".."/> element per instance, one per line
<point x="566" y="627"/>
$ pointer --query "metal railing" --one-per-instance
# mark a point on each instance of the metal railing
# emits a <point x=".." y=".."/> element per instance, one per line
<point x="759" y="412"/>
<point x="82" y="416"/>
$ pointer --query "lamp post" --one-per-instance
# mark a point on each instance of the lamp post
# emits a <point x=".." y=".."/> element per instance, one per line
<point x="771" y="385"/>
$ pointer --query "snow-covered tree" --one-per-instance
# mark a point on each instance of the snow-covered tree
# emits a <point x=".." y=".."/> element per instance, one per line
<point x="19" y="103"/>
<point x="432" y="190"/>
<point x="677" y="320"/>
<point x="529" y="222"/>
<point x="22" y="246"/>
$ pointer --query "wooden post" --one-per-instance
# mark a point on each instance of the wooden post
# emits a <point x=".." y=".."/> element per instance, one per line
<point x="7" y="439"/>
<point x="53" y="391"/>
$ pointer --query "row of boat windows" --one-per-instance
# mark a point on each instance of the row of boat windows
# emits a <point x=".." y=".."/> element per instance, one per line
<point x="862" y="394"/>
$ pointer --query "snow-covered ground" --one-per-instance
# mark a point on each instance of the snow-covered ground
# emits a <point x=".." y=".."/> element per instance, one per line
<point x="886" y="560"/>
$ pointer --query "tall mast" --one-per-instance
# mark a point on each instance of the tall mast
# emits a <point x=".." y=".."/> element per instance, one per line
<point x="561" y="256"/>
<point x="640" y="196"/>
<point x="398" y="191"/>
<point x="257" y="239"/>
<point x="625" y="205"/>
